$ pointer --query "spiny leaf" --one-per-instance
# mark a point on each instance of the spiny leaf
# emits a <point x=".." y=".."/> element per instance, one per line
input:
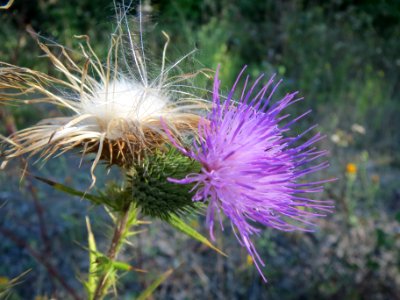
<point x="152" y="287"/>
<point x="179" y="224"/>
<point x="69" y="190"/>
<point x="147" y="187"/>
<point x="172" y="219"/>
<point x="8" y="284"/>
<point x="92" y="277"/>
<point x="119" y="265"/>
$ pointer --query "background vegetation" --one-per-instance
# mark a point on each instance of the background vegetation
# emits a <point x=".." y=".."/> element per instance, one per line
<point x="342" y="55"/>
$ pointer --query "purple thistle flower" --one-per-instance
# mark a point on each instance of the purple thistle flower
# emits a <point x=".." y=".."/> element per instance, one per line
<point x="251" y="170"/>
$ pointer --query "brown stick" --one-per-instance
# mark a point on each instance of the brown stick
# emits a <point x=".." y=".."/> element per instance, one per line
<point x="50" y="268"/>
<point x="40" y="213"/>
<point x="12" y="128"/>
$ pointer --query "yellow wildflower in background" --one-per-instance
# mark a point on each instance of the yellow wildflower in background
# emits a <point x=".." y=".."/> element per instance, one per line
<point x="351" y="168"/>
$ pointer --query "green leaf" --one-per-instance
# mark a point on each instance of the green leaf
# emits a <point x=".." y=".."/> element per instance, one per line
<point x="179" y="224"/>
<point x="173" y="219"/>
<point x="92" y="276"/>
<point x="7" y="285"/>
<point x="152" y="287"/>
<point x="122" y="266"/>
<point x="69" y="190"/>
<point x="397" y="216"/>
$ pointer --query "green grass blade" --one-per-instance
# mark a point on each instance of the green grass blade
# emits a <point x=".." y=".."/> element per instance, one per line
<point x="6" y="285"/>
<point x="179" y="224"/>
<point x="92" y="276"/>
<point x="152" y="287"/>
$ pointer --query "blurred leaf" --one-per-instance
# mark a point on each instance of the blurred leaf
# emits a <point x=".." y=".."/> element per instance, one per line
<point x="7" y="285"/>
<point x="7" y="5"/>
<point x="383" y="239"/>
<point x="152" y="287"/>
<point x="397" y="217"/>
<point x="179" y="224"/>
<point x="372" y="264"/>
<point x="380" y="237"/>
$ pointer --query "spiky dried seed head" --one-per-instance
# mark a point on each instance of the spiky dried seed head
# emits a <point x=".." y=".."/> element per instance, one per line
<point x="116" y="112"/>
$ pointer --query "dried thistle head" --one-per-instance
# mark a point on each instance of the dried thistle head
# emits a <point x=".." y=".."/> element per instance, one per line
<point x="118" y="111"/>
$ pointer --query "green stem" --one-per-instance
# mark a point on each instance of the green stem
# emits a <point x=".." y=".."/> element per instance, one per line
<point x="122" y="226"/>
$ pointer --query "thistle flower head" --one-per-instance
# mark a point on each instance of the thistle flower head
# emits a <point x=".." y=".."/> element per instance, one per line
<point x="115" y="106"/>
<point x="252" y="172"/>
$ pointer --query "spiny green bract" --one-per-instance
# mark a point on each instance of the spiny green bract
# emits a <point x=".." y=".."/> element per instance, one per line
<point x="147" y="186"/>
<point x="150" y="189"/>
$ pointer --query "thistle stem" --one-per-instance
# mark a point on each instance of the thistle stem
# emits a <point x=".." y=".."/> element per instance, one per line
<point x="121" y="227"/>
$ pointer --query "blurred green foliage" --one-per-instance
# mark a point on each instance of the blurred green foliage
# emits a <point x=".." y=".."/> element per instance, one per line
<point x="342" y="55"/>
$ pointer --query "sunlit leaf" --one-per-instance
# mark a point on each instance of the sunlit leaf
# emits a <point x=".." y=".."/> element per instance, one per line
<point x="7" y="284"/>
<point x="179" y="224"/>
<point x="119" y="265"/>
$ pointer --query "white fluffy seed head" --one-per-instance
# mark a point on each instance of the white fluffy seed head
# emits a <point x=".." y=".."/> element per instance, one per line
<point x="119" y="118"/>
<point x="124" y="100"/>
